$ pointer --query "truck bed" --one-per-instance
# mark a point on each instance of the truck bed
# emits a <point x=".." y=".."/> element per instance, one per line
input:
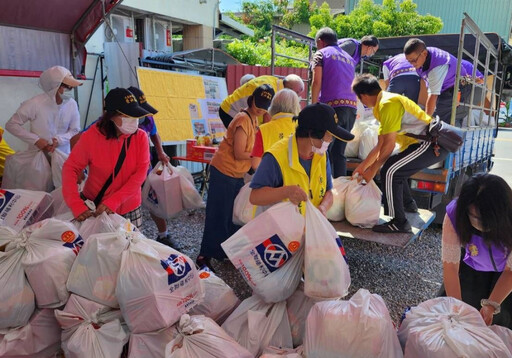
<point x="419" y="222"/>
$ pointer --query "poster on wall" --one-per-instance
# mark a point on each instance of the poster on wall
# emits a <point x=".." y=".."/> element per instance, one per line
<point x="215" y="87"/>
<point x="199" y="127"/>
<point x="210" y="111"/>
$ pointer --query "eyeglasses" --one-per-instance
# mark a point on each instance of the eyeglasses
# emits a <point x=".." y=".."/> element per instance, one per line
<point x="416" y="59"/>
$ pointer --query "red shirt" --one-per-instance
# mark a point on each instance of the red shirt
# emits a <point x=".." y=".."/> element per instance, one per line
<point x="100" y="155"/>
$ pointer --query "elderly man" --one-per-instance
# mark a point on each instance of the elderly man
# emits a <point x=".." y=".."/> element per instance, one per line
<point x="53" y="115"/>
<point x="333" y="72"/>
<point x="237" y="101"/>
<point x="364" y="48"/>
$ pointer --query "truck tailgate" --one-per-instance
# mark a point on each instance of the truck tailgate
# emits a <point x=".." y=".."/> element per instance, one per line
<point x="419" y="222"/>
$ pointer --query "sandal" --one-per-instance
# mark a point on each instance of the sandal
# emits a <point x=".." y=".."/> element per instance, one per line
<point x="203" y="261"/>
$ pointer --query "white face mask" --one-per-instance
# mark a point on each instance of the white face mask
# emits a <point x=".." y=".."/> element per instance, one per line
<point x="129" y="125"/>
<point x="66" y="96"/>
<point x="322" y="149"/>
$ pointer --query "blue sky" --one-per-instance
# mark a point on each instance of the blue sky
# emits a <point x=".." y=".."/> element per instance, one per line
<point x="230" y="5"/>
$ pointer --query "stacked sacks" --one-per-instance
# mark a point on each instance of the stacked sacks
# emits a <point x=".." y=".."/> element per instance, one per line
<point x="274" y="352"/>
<point x="445" y="327"/>
<point x="151" y="344"/>
<point x="201" y="337"/>
<point x="95" y="270"/>
<point x="220" y="299"/>
<point x="45" y="253"/>
<point x="39" y="338"/>
<point x="298" y="306"/>
<point x="156" y="285"/>
<point x="256" y="325"/>
<point x="268" y="252"/>
<point x="505" y="334"/>
<point x="360" y="327"/>
<point x="91" y="329"/>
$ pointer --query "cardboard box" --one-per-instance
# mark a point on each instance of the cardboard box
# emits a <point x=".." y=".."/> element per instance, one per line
<point x="20" y="208"/>
<point x="199" y="151"/>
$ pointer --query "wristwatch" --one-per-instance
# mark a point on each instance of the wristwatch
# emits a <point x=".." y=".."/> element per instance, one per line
<point x="495" y="305"/>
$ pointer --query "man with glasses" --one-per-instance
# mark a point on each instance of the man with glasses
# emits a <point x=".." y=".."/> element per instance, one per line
<point x="438" y="68"/>
<point x="364" y="48"/>
<point x="333" y="71"/>
<point x="53" y="115"/>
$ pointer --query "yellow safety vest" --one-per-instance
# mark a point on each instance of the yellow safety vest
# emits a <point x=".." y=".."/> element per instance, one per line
<point x="281" y="126"/>
<point x="237" y="101"/>
<point x="287" y="156"/>
<point x="5" y="150"/>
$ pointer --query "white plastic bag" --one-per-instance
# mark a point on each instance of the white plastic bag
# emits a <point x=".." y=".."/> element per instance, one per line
<point x="152" y="344"/>
<point x="189" y="195"/>
<point x="275" y="352"/>
<point x="360" y="125"/>
<point x="90" y="329"/>
<point x="268" y="252"/>
<point x="57" y="162"/>
<point x="161" y="193"/>
<point x="339" y="191"/>
<point x="16" y="296"/>
<point x="360" y="327"/>
<point x="156" y="285"/>
<point x="445" y="327"/>
<point x="39" y="338"/>
<point x="256" y="325"/>
<point x="219" y="300"/>
<point x="20" y="208"/>
<point x="298" y="306"/>
<point x="49" y="249"/>
<point x="95" y="270"/>
<point x="368" y="141"/>
<point x="103" y="224"/>
<point x="362" y="204"/>
<point x="504" y="333"/>
<point x="201" y="337"/>
<point x="243" y="210"/>
<point x="28" y="170"/>
<point x="326" y="273"/>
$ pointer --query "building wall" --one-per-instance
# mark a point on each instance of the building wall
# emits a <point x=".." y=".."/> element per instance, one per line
<point x="195" y="12"/>
<point x="490" y="16"/>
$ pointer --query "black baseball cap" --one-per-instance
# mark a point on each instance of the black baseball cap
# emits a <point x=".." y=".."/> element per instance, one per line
<point x="262" y="96"/>
<point x="123" y="101"/>
<point x="141" y="98"/>
<point x="320" y="116"/>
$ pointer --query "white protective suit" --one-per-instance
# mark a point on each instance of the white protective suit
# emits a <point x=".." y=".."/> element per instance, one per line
<point x="48" y="120"/>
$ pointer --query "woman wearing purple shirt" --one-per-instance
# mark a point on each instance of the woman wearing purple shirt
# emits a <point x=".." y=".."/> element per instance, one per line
<point x="480" y="221"/>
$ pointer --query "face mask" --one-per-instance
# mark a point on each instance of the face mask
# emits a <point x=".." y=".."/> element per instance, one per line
<point x="129" y="125"/>
<point x="322" y="149"/>
<point x="66" y="95"/>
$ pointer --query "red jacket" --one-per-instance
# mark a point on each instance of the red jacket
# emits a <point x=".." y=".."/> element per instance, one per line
<point x="100" y="155"/>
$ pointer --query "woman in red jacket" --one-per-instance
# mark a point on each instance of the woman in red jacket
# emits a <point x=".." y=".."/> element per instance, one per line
<point x="114" y="183"/>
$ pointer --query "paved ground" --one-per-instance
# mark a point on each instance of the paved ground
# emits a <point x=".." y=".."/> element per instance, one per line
<point x="403" y="277"/>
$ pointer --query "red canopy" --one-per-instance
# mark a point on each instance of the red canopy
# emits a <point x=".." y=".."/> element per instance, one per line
<point x="78" y="18"/>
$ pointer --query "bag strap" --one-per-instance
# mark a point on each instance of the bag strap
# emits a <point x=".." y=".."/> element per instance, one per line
<point x="117" y="168"/>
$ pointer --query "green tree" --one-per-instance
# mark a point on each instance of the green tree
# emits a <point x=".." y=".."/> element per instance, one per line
<point x="300" y="13"/>
<point x="392" y="18"/>
<point x="260" y="15"/>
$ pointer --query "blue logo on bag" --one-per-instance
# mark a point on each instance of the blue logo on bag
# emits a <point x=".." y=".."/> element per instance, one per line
<point x="177" y="268"/>
<point x="342" y="249"/>
<point x="273" y="253"/>
<point x="5" y="197"/>
<point x="152" y="196"/>
<point x="72" y="241"/>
